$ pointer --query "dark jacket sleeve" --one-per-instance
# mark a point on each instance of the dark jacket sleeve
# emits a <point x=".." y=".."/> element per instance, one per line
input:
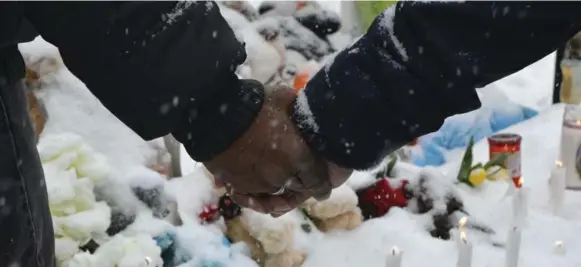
<point x="160" y="67"/>
<point x="419" y="63"/>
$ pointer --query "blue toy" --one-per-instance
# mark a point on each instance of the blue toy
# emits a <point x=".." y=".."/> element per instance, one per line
<point x="174" y="255"/>
<point x="457" y="131"/>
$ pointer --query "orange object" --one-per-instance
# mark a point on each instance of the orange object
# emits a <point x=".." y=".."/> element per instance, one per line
<point x="301" y="4"/>
<point x="300" y="82"/>
<point x="509" y="144"/>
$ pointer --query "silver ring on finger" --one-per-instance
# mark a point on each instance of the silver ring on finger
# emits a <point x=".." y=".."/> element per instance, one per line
<point x="280" y="191"/>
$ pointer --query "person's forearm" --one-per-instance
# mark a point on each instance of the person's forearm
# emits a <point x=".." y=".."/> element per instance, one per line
<point x="418" y="64"/>
<point x="157" y="66"/>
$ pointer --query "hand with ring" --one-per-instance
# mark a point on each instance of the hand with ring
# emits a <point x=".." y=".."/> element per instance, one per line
<point x="270" y="168"/>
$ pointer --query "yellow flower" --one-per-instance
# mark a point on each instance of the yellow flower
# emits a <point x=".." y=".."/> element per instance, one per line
<point x="477" y="176"/>
<point x="497" y="173"/>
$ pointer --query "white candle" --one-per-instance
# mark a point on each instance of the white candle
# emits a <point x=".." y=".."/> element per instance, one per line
<point x="394" y="258"/>
<point x="559" y="248"/>
<point x="464" y="251"/>
<point x="570" y="141"/>
<point x="513" y="247"/>
<point x="557" y="184"/>
<point x="464" y="245"/>
<point x="520" y="206"/>
<point x="147" y="260"/>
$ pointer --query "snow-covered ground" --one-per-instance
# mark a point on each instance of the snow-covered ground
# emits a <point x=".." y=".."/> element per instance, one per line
<point x="370" y="244"/>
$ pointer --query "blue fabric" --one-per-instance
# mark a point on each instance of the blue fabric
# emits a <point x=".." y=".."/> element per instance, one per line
<point x="171" y="254"/>
<point x="174" y="255"/>
<point x="457" y="130"/>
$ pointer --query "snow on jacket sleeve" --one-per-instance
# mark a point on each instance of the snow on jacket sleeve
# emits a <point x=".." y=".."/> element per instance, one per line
<point x="419" y="63"/>
<point x="158" y="66"/>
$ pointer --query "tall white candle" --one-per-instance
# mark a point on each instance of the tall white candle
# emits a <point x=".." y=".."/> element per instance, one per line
<point x="463" y="244"/>
<point x="520" y="206"/>
<point x="559" y="248"/>
<point x="394" y="258"/>
<point x="464" y="251"/>
<point x="557" y="185"/>
<point x="570" y="141"/>
<point x="513" y="247"/>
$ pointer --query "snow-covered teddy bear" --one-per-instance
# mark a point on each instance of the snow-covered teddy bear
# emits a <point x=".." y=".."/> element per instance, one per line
<point x="72" y="169"/>
<point x="305" y="26"/>
<point x="340" y="211"/>
<point x="264" y="48"/>
<point x="280" y="242"/>
<point x="286" y="240"/>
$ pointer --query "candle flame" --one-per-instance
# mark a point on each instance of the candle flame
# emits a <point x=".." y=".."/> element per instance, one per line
<point x="463" y="236"/>
<point x="520" y="182"/>
<point x="395" y="250"/>
<point x="147" y="260"/>
<point x="559" y="164"/>
<point x="462" y="221"/>
<point x="559" y="243"/>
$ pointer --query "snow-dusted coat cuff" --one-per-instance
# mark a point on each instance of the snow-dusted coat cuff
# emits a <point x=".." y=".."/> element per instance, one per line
<point x="209" y="128"/>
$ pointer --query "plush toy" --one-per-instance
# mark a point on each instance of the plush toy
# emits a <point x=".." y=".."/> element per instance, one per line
<point x="263" y="45"/>
<point x="36" y="109"/>
<point x="197" y="200"/>
<point x="284" y="241"/>
<point x="306" y="25"/>
<point x="244" y="8"/>
<point x="423" y="191"/>
<point x="37" y="68"/>
<point x="72" y="169"/>
<point x="339" y="212"/>
<point x="121" y="251"/>
<point x="281" y="242"/>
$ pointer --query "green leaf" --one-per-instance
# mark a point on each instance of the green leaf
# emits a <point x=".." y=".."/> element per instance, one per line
<point x="390" y="166"/>
<point x="466" y="165"/>
<point x="496" y="161"/>
<point x="478" y="165"/>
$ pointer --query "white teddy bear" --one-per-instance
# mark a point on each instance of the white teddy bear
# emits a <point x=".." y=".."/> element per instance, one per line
<point x="286" y="240"/>
<point x="71" y="171"/>
<point x="136" y="251"/>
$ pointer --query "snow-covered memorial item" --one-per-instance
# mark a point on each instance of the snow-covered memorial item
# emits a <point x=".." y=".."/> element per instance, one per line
<point x="99" y="222"/>
<point x="571" y="146"/>
<point x="272" y="242"/>
<point x="423" y="191"/>
<point x="285" y="41"/>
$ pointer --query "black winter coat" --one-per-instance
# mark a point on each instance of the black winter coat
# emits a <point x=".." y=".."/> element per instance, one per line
<point x="160" y="67"/>
<point x="419" y="63"/>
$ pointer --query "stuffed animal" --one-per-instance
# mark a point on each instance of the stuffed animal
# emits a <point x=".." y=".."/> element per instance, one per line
<point x="197" y="200"/>
<point x="339" y="212"/>
<point x="36" y="109"/>
<point x="244" y="8"/>
<point x="262" y="43"/>
<point x="136" y="251"/>
<point x="284" y="241"/>
<point x="280" y="242"/>
<point x="306" y="25"/>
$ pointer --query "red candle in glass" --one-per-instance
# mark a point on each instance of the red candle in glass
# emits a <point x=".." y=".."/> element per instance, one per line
<point x="510" y="144"/>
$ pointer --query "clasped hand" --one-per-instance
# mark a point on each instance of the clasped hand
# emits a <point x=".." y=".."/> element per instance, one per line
<point x="270" y="168"/>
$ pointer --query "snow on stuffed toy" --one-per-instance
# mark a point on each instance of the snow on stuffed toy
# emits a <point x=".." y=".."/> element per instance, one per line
<point x="197" y="203"/>
<point x="287" y="241"/>
<point x="72" y="108"/>
<point x="137" y="251"/>
<point x="71" y="170"/>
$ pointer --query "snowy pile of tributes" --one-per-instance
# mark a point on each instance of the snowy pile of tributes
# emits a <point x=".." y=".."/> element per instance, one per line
<point x="118" y="201"/>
